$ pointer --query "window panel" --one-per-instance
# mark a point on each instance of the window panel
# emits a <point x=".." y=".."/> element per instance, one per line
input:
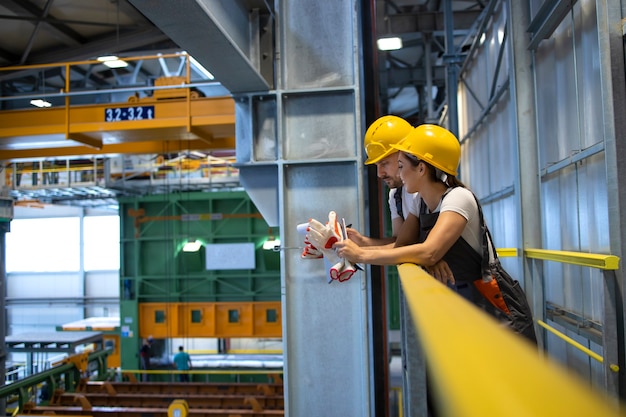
<point x="43" y="245"/>
<point x="102" y="242"/>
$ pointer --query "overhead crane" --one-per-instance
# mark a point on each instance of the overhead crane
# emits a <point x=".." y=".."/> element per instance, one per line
<point x="87" y="146"/>
<point x="174" y="125"/>
<point x="174" y="119"/>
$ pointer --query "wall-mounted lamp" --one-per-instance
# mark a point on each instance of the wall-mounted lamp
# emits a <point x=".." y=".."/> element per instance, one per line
<point x="271" y="243"/>
<point x="40" y="103"/>
<point x="192" y="245"/>
<point x="112" y="61"/>
<point x="389" y="44"/>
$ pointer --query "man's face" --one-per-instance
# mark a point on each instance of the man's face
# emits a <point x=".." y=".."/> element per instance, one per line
<point x="387" y="170"/>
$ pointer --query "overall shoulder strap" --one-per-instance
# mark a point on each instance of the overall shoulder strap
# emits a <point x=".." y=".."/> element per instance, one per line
<point x="398" y="200"/>
<point x="489" y="252"/>
<point x="424" y="208"/>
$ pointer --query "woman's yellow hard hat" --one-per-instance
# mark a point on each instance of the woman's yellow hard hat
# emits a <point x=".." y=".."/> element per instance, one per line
<point x="433" y="144"/>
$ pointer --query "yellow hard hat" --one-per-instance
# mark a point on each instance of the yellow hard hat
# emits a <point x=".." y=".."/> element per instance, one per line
<point x="435" y="145"/>
<point x="381" y="134"/>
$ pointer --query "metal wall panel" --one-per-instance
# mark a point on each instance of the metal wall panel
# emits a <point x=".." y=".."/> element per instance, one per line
<point x="265" y="143"/>
<point x="103" y="284"/>
<point x="31" y="317"/>
<point x="574" y="174"/>
<point x="574" y="117"/>
<point x="588" y="73"/>
<point x="497" y="57"/>
<point x="557" y="106"/>
<point x="318" y="40"/>
<point x="44" y="286"/>
<point x="489" y="151"/>
<point x="316" y="125"/>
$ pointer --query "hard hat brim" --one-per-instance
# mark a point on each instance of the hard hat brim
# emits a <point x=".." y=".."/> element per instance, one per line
<point x="379" y="158"/>
<point x="399" y="147"/>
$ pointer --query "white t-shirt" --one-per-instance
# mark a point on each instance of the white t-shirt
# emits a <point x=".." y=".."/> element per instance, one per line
<point x="461" y="200"/>
<point x="410" y="203"/>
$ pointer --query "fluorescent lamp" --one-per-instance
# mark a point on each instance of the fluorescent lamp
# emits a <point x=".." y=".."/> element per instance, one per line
<point x="40" y="103"/>
<point x="192" y="246"/>
<point x="271" y="243"/>
<point x="389" y="44"/>
<point x="112" y="61"/>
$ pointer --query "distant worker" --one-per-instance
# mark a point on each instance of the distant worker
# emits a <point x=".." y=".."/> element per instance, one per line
<point x="144" y="355"/>
<point x="182" y="362"/>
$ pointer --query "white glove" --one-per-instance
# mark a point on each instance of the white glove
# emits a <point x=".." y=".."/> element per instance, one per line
<point x="310" y="251"/>
<point x="323" y="237"/>
<point x="342" y="271"/>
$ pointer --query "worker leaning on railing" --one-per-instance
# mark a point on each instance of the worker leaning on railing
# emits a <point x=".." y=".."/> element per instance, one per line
<point x="449" y="223"/>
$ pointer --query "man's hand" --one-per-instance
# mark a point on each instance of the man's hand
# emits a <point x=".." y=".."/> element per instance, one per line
<point x="356" y="237"/>
<point x="348" y="250"/>
<point x="441" y="271"/>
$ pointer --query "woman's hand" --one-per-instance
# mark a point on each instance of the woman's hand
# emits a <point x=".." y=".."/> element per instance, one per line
<point x="441" y="271"/>
<point x="349" y="250"/>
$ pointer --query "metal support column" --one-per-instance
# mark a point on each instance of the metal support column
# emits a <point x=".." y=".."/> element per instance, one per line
<point x="4" y="229"/>
<point x="428" y="90"/>
<point x="413" y="366"/>
<point x="299" y="154"/>
<point x="451" y="59"/>
<point x="611" y="42"/>
<point x="523" y="92"/>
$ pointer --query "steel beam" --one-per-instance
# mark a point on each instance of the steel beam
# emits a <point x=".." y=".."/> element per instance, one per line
<point x="219" y="28"/>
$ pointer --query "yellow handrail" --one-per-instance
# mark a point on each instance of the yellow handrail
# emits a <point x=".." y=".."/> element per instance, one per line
<point x="593" y="260"/>
<point x="508" y="252"/>
<point x="483" y="369"/>
<point x="91" y="61"/>
<point x="614" y="367"/>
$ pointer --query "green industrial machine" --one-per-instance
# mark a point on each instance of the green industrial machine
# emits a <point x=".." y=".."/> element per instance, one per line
<point x="230" y="266"/>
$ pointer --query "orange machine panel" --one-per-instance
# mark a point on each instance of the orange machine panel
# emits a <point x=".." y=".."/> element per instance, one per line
<point x="158" y="320"/>
<point x="234" y="320"/>
<point x="196" y="319"/>
<point x="112" y="340"/>
<point x="219" y="320"/>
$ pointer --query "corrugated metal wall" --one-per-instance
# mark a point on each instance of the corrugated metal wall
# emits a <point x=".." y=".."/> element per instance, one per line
<point x="573" y="107"/>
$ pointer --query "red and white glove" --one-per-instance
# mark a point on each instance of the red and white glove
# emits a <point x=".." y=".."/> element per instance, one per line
<point x="342" y="271"/>
<point x="310" y="251"/>
<point x="322" y="238"/>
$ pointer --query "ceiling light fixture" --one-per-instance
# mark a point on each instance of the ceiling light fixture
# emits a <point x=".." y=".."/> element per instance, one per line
<point x="40" y="103"/>
<point x="389" y="44"/>
<point x="192" y="245"/>
<point x="112" y="61"/>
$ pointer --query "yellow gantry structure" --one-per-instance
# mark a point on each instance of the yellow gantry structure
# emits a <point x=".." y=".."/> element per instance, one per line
<point x="174" y="119"/>
<point x="173" y="125"/>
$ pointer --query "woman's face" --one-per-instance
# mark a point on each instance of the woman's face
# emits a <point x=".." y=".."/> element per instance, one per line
<point x="408" y="173"/>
